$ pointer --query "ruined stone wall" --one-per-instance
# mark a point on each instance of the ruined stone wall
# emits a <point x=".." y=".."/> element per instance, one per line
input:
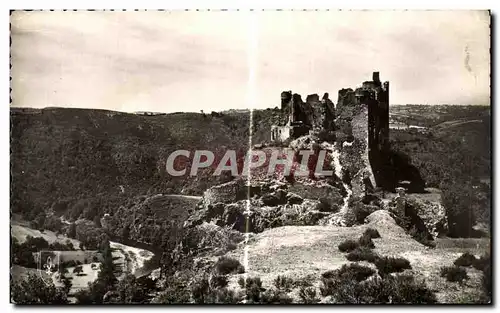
<point x="322" y="113"/>
<point x="367" y="108"/>
<point x="280" y="133"/>
<point x="301" y="118"/>
<point x="355" y="154"/>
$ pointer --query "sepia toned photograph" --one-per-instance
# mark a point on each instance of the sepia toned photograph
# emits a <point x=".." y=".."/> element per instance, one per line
<point x="167" y="157"/>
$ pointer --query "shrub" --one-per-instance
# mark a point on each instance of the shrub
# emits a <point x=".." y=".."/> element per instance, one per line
<point x="482" y="263"/>
<point x="78" y="270"/>
<point x="227" y="265"/>
<point x="329" y="274"/>
<point x="241" y="282"/>
<point x="226" y="296"/>
<point x="34" y="290"/>
<point x="396" y="289"/>
<point x="325" y="206"/>
<point x="200" y="290"/>
<point x="355" y="271"/>
<point x="372" y="233"/>
<point x="348" y="245"/>
<point x="339" y="288"/>
<point x="388" y="265"/>
<point x="275" y="296"/>
<point x="70" y="263"/>
<point x="173" y="295"/>
<point x="283" y="283"/>
<point x="251" y="281"/>
<point x="308" y="295"/>
<point x="407" y="290"/>
<point x="366" y="241"/>
<point x="253" y="286"/>
<point x="454" y="273"/>
<point x="306" y="281"/>
<point x="362" y="254"/>
<point x="344" y="278"/>
<point x="466" y="259"/>
<point x="399" y="289"/>
<point x="218" y="281"/>
<point x="486" y="283"/>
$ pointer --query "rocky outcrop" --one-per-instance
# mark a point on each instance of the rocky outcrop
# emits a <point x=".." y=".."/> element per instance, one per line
<point x="272" y="204"/>
<point x="431" y="214"/>
<point x="318" y="190"/>
<point x="226" y="193"/>
<point x="434" y="217"/>
<point x="259" y="218"/>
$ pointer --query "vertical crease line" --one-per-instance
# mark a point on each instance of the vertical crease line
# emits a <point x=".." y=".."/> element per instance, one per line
<point x="252" y="37"/>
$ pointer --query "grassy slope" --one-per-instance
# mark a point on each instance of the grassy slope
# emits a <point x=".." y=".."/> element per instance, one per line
<point x="302" y="251"/>
<point x="21" y="232"/>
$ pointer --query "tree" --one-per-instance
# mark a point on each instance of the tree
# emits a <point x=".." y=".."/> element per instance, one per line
<point x="106" y="274"/>
<point x="72" y="230"/>
<point x="64" y="279"/>
<point x="94" y="294"/>
<point x="67" y="284"/>
<point x="35" y="290"/>
<point x="125" y="232"/>
<point x="130" y="290"/>
<point x="62" y="271"/>
<point x="105" y="281"/>
<point x="97" y="221"/>
<point x="35" y="244"/>
<point x="52" y="223"/>
<point x="39" y="221"/>
<point x="21" y="255"/>
<point x="77" y="270"/>
<point x="69" y="245"/>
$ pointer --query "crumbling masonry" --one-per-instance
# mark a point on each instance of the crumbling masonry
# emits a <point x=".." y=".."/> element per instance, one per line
<point x="302" y="118"/>
<point x="314" y="116"/>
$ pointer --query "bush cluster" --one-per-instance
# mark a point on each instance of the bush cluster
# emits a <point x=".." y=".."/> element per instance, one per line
<point x="386" y="265"/>
<point x="226" y="265"/>
<point x="467" y="259"/>
<point x="362" y="254"/>
<point x="348" y="245"/>
<point x="454" y="273"/>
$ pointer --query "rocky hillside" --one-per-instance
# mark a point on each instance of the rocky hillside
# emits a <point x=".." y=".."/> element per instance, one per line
<point x="84" y="163"/>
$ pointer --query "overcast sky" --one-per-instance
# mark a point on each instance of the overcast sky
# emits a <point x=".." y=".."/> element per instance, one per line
<point x="192" y="61"/>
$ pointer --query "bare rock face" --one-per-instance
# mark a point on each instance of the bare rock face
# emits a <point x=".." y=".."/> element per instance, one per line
<point x="293" y="198"/>
<point x="234" y="215"/>
<point x="275" y="198"/>
<point x="318" y="191"/>
<point x="226" y="193"/>
<point x="273" y="204"/>
<point x="434" y="216"/>
<point x="430" y="213"/>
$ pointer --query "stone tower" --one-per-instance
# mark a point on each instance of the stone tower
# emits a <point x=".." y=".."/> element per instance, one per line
<point x="375" y="96"/>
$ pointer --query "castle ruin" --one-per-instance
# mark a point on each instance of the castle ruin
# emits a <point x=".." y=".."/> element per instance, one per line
<point x="375" y="96"/>
<point x="314" y="116"/>
<point x="302" y="118"/>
